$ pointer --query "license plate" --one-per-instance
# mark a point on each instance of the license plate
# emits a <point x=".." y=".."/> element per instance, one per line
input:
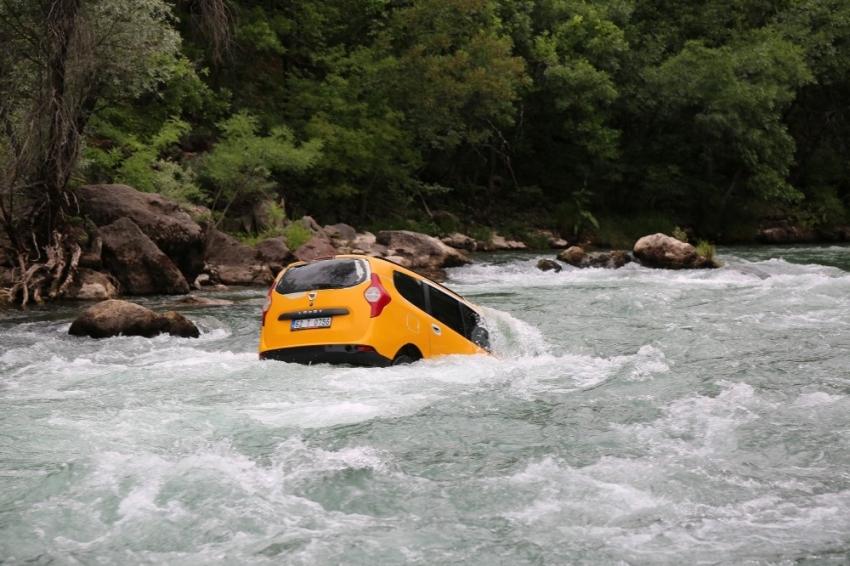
<point x="307" y="323"/>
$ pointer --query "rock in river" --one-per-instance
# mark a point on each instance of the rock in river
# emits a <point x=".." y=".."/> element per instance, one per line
<point x="114" y="317"/>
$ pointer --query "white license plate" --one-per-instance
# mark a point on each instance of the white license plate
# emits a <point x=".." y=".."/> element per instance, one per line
<point x="306" y="323"/>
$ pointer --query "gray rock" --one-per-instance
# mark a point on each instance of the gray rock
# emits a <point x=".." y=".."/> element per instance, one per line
<point x="609" y="260"/>
<point x="138" y="264"/>
<point x="666" y="252"/>
<point x="233" y="263"/>
<point x="114" y="317"/>
<point x="575" y="256"/>
<point x="160" y="219"/>
<point x="315" y="248"/>
<point x="342" y="232"/>
<point x="90" y="285"/>
<point x="399" y="260"/>
<point x="364" y="239"/>
<point x="424" y="252"/>
<point x="460" y="242"/>
<point x="548" y="265"/>
<point x="313" y="226"/>
<point x="93" y="257"/>
<point x="275" y="253"/>
<point x="502" y="244"/>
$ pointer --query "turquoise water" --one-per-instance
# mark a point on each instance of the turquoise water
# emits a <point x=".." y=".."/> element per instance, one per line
<point x="628" y="417"/>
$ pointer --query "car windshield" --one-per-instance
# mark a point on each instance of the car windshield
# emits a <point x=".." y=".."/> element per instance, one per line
<point x="324" y="274"/>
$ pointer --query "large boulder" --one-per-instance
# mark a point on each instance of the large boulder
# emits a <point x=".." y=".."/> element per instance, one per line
<point x="424" y="252"/>
<point x="315" y="248"/>
<point x="114" y="317"/>
<point x="313" y="226"/>
<point x="275" y="253"/>
<point x="233" y="263"/>
<point x="341" y="232"/>
<point x="137" y="263"/>
<point x="367" y="244"/>
<point x="160" y="219"/>
<point x="662" y="251"/>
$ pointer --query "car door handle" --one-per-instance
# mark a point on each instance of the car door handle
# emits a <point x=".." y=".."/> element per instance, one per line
<point x="437" y="330"/>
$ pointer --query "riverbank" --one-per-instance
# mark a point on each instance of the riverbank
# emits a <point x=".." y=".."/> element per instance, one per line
<point x="129" y="243"/>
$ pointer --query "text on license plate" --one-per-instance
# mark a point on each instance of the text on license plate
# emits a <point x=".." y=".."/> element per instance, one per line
<point x="305" y="323"/>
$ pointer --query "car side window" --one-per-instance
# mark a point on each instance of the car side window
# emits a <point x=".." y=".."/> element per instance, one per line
<point x="410" y="288"/>
<point x="446" y="309"/>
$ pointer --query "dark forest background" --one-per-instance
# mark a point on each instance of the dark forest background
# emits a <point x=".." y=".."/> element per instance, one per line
<point x="607" y="118"/>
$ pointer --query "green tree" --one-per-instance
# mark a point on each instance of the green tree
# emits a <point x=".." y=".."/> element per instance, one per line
<point x="570" y="138"/>
<point x="457" y="83"/>
<point x="240" y="165"/>
<point x="727" y="103"/>
<point x="59" y="59"/>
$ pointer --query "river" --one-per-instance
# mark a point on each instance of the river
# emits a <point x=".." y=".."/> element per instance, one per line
<point x="628" y="416"/>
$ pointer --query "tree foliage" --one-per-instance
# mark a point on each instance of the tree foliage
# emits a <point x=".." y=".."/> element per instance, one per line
<point x="240" y="165"/>
<point x="363" y="110"/>
<point x="60" y="60"/>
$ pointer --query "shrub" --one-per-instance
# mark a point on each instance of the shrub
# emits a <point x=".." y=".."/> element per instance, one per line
<point x="296" y="235"/>
<point x="708" y="251"/>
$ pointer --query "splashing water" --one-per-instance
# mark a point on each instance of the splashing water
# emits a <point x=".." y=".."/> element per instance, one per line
<point x="626" y="417"/>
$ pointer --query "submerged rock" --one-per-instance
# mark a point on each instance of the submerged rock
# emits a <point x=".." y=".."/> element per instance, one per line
<point x="115" y="317"/>
<point x="549" y="265"/>
<point x="576" y="256"/>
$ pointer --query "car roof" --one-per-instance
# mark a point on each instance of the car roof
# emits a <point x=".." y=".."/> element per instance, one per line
<point x="385" y="267"/>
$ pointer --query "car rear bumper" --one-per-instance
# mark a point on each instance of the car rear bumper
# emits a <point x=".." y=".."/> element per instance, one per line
<point x="349" y="354"/>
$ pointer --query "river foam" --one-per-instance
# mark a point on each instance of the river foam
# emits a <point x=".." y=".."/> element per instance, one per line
<point x="633" y="416"/>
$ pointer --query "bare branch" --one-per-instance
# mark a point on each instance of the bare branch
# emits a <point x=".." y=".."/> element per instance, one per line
<point x="216" y="19"/>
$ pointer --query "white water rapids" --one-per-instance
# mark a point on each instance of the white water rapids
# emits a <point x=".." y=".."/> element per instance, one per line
<point x="629" y="416"/>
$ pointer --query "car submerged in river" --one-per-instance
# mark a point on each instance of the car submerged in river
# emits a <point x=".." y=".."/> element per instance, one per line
<point x="365" y="311"/>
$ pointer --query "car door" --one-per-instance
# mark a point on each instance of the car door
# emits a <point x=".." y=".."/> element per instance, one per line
<point x="413" y="291"/>
<point x="446" y="332"/>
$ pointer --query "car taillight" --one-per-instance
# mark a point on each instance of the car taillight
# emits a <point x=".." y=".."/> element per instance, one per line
<point x="377" y="296"/>
<point x="267" y="305"/>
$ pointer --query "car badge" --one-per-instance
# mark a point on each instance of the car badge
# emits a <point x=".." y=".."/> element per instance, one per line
<point x="312" y="295"/>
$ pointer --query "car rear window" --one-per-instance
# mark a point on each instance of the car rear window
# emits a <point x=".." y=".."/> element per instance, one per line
<point x="324" y="274"/>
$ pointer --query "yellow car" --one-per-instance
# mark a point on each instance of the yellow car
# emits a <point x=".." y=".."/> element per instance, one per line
<point x="360" y="310"/>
